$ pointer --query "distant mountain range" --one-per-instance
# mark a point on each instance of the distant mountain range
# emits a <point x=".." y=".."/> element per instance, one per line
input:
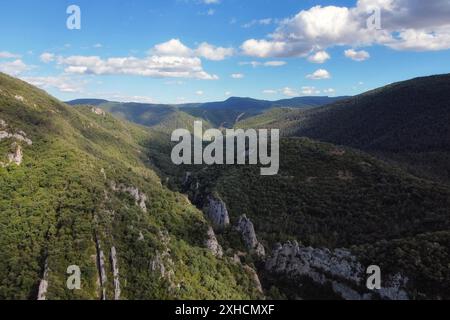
<point x="219" y="114"/>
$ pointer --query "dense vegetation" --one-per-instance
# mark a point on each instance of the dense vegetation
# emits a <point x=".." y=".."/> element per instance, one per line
<point x="59" y="200"/>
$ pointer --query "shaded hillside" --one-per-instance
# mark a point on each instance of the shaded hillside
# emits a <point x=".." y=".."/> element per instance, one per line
<point x="330" y="197"/>
<point x="407" y="122"/>
<point x="75" y="190"/>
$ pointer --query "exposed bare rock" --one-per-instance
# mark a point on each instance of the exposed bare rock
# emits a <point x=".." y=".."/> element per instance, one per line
<point x="394" y="288"/>
<point x="115" y="270"/>
<point x="337" y="268"/>
<point x="247" y="230"/>
<point x="21" y="137"/>
<point x="101" y="268"/>
<point x="138" y="196"/>
<point x="217" y="212"/>
<point x="43" y="285"/>
<point x="2" y="123"/>
<point x="213" y="245"/>
<point x="16" y="156"/>
<point x="19" y="98"/>
<point x="255" y="278"/>
<point x="98" y="111"/>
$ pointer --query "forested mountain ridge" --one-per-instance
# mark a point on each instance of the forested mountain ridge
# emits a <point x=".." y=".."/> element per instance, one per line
<point x="218" y="114"/>
<point x="76" y="189"/>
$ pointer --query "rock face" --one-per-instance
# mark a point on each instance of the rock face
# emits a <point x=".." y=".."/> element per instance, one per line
<point x="16" y="156"/>
<point x="43" y="285"/>
<point x="101" y="269"/>
<point x="247" y="230"/>
<point x="98" y="111"/>
<point x="20" y="137"/>
<point x="138" y="196"/>
<point x="213" y="245"/>
<point x="115" y="270"/>
<point x="217" y="212"/>
<point x="339" y="269"/>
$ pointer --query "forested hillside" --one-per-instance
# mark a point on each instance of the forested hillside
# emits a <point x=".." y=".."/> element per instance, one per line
<point x="76" y="188"/>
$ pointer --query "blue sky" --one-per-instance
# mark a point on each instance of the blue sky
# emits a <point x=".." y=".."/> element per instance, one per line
<point x="176" y="51"/>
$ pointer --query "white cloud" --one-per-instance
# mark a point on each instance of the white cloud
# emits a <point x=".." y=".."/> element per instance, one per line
<point x="9" y="55"/>
<point x="263" y="22"/>
<point x="47" y="57"/>
<point x="270" y="91"/>
<point x="357" y="55"/>
<point x="329" y="91"/>
<point x="210" y="52"/>
<point x="264" y="48"/>
<point x="237" y="76"/>
<point x="211" y="1"/>
<point x="287" y="91"/>
<point x="228" y="93"/>
<point x="255" y="64"/>
<point x="62" y="83"/>
<point x="171" y="59"/>
<point x="153" y="66"/>
<point x="319" y="75"/>
<point x="319" y="57"/>
<point x="309" y="91"/>
<point x="199" y="92"/>
<point x="173" y="47"/>
<point x="274" y="63"/>
<point x="13" y="68"/>
<point x="98" y="45"/>
<point x="405" y="25"/>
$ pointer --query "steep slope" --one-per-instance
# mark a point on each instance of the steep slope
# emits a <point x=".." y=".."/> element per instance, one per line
<point x="75" y="190"/>
<point x="406" y="122"/>
<point x="329" y="197"/>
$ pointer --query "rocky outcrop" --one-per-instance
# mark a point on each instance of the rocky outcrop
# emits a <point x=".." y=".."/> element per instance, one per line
<point x="98" y="111"/>
<point x="247" y="230"/>
<point x="338" y="269"/>
<point x="139" y="197"/>
<point x="101" y="269"/>
<point x="212" y="244"/>
<point x="217" y="213"/>
<point x="43" y="285"/>
<point x="115" y="270"/>
<point x="19" y="137"/>
<point x="16" y="156"/>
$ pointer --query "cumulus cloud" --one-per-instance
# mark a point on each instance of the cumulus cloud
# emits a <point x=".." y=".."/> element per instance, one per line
<point x="13" y="68"/>
<point x="153" y="66"/>
<point x="319" y="57"/>
<point x="405" y="25"/>
<point x="210" y="52"/>
<point x="61" y="83"/>
<point x="319" y="75"/>
<point x="173" y="47"/>
<point x="171" y="59"/>
<point x="357" y="55"/>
